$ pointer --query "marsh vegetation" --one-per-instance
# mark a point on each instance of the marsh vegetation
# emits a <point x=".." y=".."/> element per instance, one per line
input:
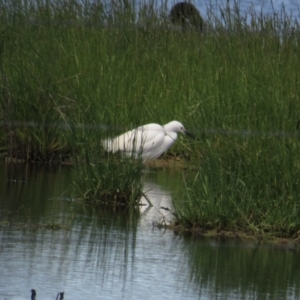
<point x="73" y="74"/>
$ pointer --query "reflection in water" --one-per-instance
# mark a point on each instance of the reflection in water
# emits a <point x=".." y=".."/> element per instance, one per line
<point x="121" y="255"/>
<point x="244" y="270"/>
<point x="162" y="209"/>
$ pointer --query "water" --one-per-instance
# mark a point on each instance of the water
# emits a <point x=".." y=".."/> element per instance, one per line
<point x="102" y="254"/>
<point x="107" y="255"/>
<point x="266" y="7"/>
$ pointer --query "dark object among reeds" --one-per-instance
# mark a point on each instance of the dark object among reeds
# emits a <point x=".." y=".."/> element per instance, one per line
<point x="33" y="294"/>
<point x="60" y="296"/>
<point x="186" y="14"/>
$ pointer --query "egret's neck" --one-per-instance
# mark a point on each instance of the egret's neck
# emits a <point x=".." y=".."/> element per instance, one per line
<point x="173" y="135"/>
<point x="168" y="128"/>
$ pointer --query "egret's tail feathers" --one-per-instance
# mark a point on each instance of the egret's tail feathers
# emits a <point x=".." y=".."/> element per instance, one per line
<point x="130" y="147"/>
<point x="114" y="145"/>
<point x="107" y="145"/>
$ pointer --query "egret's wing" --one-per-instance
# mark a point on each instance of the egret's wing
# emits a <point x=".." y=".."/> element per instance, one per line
<point x="128" y="141"/>
<point x="168" y="141"/>
<point x="146" y="140"/>
<point x="137" y="141"/>
<point x="154" y="141"/>
<point x="123" y="142"/>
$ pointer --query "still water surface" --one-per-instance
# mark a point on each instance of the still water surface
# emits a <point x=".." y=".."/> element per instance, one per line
<point x="292" y="7"/>
<point x="105" y="255"/>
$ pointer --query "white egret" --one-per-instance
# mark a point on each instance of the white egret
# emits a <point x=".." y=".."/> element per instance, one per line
<point x="149" y="141"/>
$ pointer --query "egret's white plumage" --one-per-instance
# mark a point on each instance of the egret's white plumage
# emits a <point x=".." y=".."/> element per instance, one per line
<point x="148" y="141"/>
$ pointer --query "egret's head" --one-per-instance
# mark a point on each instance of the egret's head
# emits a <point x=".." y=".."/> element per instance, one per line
<point x="177" y="127"/>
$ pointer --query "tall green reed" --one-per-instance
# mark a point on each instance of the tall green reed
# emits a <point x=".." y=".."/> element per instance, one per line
<point x="103" y="178"/>
<point x="249" y="183"/>
<point x="247" y="164"/>
<point x="70" y="67"/>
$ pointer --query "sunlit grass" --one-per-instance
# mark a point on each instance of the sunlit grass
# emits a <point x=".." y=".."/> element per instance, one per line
<point x="252" y="186"/>
<point x="69" y="68"/>
<point x="100" y="178"/>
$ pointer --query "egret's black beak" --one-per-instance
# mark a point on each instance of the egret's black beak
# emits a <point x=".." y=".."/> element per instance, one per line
<point x="189" y="134"/>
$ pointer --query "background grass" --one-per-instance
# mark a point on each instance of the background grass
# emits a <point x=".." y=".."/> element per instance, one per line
<point x="72" y="75"/>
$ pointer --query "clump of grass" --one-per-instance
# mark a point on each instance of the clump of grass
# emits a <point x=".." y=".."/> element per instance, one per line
<point x="248" y="167"/>
<point x="250" y="185"/>
<point x="112" y="182"/>
<point x="103" y="178"/>
<point x="32" y="109"/>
